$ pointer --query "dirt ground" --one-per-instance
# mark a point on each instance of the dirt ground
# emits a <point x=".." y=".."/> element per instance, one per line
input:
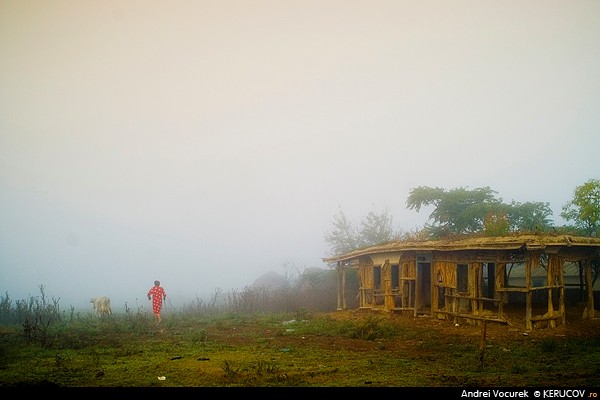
<point x="575" y="326"/>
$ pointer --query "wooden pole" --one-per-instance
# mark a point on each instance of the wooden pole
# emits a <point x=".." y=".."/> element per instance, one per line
<point x="589" y="288"/>
<point x="528" y="302"/>
<point x="482" y="344"/>
<point x="552" y="265"/>
<point x="340" y="289"/>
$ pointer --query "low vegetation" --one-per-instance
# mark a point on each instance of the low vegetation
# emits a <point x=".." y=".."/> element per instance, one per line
<point x="211" y="345"/>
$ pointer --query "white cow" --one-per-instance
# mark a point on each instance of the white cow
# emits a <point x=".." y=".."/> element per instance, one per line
<point x="101" y="305"/>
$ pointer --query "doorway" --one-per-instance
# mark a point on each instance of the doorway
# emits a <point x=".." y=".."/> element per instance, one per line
<point x="423" y="284"/>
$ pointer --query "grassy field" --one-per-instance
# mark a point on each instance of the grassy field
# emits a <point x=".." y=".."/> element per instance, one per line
<point x="299" y="349"/>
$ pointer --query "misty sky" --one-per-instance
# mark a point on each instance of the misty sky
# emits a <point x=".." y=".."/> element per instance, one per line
<point x="204" y="143"/>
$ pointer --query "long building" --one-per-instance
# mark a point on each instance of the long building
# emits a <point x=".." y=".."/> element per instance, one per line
<point x="468" y="278"/>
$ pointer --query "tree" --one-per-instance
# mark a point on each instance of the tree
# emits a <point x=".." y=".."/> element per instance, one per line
<point x="496" y="224"/>
<point x="530" y="216"/>
<point x="343" y="237"/>
<point x="376" y="228"/>
<point x="584" y="208"/>
<point x="346" y="235"/>
<point x="455" y="211"/>
<point x="584" y="211"/>
<point x="463" y="211"/>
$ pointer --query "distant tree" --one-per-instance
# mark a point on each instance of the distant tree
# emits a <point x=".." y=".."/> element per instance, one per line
<point x="291" y="271"/>
<point x="343" y="236"/>
<point x="416" y="234"/>
<point x="496" y="224"/>
<point x="376" y="228"/>
<point x="584" y="208"/>
<point x="346" y="235"/>
<point x="455" y="211"/>
<point x="530" y="217"/>
<point x="584" y="211"/>
<point x="463" y="211"/>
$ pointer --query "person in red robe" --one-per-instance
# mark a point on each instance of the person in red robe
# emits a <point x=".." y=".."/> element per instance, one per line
<point x="157" y="294"/>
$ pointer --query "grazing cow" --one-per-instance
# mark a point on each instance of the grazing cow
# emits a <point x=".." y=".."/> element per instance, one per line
<point x="101" y="305"/>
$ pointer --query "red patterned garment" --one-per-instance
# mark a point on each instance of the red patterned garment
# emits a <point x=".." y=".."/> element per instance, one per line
<point x="158" y="294"/>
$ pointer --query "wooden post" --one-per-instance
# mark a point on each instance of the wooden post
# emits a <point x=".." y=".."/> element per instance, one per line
<point x="472" y="282"/>
<point x="388" y="297"/>
<point x="455" y="305"/>
<point x="343" y="278"/>
<point x="479" y="287"/>
<point x="590" y="289"/>
<point x="528" y="302"/>
<point x="362" y="294"/>
<point x="581" y="279"/>
<point x="561" y="298"/>
<point x="340" y="289"/>
<point x="417" y="290"/>
<point x="500" y="271"/>
<point x="437" y="284"/>
<point x="482" y="343"/>
<point x="550" y="283"/>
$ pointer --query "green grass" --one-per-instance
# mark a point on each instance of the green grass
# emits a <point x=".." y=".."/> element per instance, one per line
<point x="277" y="349"/>
<point x="229" y="346"/>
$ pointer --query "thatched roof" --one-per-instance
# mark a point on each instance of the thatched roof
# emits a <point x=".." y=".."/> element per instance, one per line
<point x="514" y="242"/>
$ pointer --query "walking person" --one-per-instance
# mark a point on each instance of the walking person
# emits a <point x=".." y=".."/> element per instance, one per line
<point x="157" y="294"/>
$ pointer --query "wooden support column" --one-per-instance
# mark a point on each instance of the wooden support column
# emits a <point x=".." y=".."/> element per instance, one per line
<point x="528" y="294"/>
<point x="417" y="298"/>
<point x="362" y="291"/>
<point x="341" y="290"/>
<point x="499" y="294"/>
<point x="436" y="282"/>
<point x="455" y="305"/>
<point x="479" y="287"/>
<point x="590" y="290"/>
<point x="561" y="290"/>
<point x="473" y="287"/>
<point x="581" y="279"/>
<point x="388" y="297"/>
<point x="343" y="278"/>
<point x="550" y="283"/>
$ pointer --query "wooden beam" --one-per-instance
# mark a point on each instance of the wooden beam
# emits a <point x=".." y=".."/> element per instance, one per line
<point x="528" y="296"/>
<point x="589" y="288"/>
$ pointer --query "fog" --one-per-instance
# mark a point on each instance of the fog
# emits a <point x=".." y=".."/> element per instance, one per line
<point x="205" y="143"/>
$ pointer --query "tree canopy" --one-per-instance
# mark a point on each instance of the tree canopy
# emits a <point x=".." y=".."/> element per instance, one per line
<point x="584" y="208"/>
<point x="464" y="211"/>
<point x="347" y="235"/>
<point x="467" y="211"/>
